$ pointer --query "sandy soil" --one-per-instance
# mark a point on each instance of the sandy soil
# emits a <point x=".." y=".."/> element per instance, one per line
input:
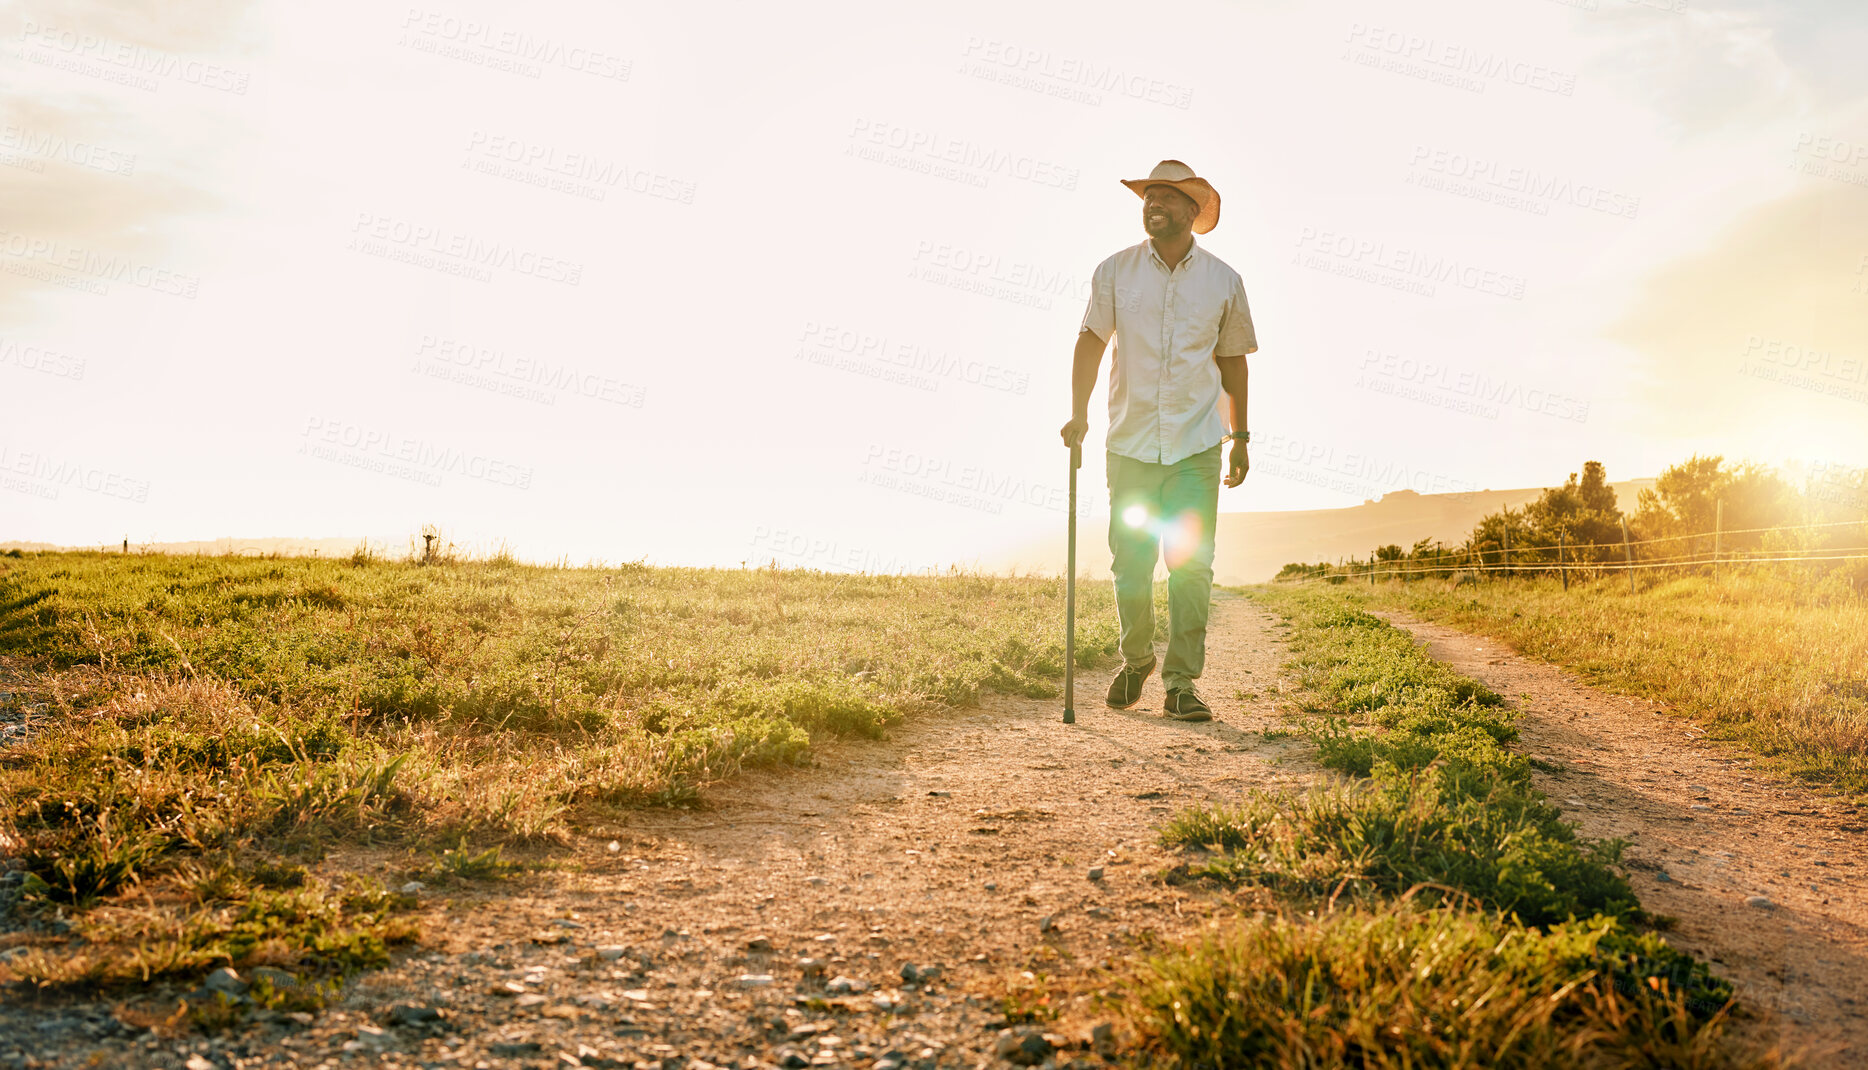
<point x="1708" y="834"/>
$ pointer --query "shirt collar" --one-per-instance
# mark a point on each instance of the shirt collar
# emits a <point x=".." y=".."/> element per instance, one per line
<point x="1192" y="251"/>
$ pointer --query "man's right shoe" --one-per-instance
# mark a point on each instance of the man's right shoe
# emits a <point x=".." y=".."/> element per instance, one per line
<point x="1126" y="689"/>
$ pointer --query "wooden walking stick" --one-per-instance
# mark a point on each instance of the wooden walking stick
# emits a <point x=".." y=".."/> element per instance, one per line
<point x="1070" y="595"/>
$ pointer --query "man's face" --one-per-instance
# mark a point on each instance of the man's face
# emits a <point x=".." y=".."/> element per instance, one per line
<point x="1167" y="212"/>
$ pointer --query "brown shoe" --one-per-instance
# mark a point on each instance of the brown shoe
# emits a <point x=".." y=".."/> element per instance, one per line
<point x="1126" y="689"/>
<point x="1183" y="705"/>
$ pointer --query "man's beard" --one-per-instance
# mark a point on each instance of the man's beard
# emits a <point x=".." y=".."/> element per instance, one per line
<point x="1167" y="231"/>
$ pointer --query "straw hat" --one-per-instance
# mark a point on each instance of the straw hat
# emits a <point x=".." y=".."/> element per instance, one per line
<point x="1181" y="177"/>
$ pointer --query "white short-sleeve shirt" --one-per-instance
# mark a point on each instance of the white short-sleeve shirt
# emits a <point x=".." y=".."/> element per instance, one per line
<point x="1164" y="389"/>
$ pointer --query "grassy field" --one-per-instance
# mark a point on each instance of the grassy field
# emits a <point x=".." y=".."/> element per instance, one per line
<point x="1442" y="913"/>
<point x="201" y="731"/>
<point x="1769" y="660"/>
<point x="220" y="753"/>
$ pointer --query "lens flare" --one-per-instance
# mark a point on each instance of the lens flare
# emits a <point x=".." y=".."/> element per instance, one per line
<point x="1180" y="538"/>
<point x="1135" y="516"/>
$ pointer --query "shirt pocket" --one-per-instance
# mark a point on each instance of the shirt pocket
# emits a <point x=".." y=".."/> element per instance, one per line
<point x="1194" y="375"/>
<point x="1198" y="330"/>
<point x="1138" y="311"/>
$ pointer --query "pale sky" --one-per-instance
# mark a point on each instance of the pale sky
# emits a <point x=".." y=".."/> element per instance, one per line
<point x="710" y="283"/>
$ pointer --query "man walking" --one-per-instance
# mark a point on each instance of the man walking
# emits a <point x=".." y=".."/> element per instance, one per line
<point x="1182" y="330"/>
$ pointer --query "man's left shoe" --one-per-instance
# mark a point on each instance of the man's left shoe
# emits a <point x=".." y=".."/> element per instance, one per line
<point x="1183" y="705"/>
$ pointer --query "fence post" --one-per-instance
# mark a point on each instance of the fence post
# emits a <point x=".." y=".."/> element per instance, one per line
<point x="1562" y="540"/>
<point x="1371" y="568"/>
<point x="1505" y="558"/>
<point x="1628" y="555"/>
<point x="1718" y="532"/>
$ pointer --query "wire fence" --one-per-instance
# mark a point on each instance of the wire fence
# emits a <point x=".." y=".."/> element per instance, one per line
<point x="1588" y="560"/>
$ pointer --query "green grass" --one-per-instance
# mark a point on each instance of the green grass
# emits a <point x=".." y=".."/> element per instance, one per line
<point x="1454" y="919"/>
<point x="1505" y="850"/>
<point x="1437" y="797"/>
<point x="1770" y="659"/>
<point x="1403" y="987"/>
<point x="201" y="722"/>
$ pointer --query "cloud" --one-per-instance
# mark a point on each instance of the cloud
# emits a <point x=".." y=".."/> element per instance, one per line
<point x="1821" y="42"/>
<point x="85" y="163"/>
<point x="183" y="27"/>
<point x="71" y="190"/>
<point x="1703" y="70"/>
<point x="1782" y="286"/>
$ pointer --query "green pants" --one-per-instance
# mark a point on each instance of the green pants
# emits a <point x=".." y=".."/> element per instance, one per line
<point x="1169" y="509"/>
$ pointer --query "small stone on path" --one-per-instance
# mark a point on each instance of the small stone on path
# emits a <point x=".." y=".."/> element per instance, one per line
<point x="1026" y="1047"/>
<point x="914" y="974"/>
<point x="413" y="1014"/>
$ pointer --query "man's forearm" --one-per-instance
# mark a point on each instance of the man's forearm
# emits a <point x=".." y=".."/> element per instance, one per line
<point x="1233" y="379"/>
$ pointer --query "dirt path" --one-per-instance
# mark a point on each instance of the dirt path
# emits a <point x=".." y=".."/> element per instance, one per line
<point x="1708" y="833"/>
<point x="996" y="845"/>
